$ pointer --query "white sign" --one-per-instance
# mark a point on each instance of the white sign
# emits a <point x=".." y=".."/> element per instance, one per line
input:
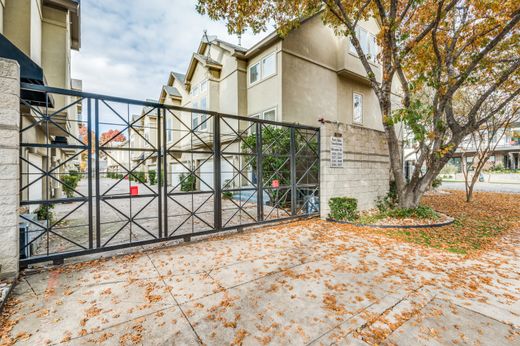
<point x="336" y="151"/>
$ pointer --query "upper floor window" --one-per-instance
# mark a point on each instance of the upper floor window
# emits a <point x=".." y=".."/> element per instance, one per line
<point x="357" y="103"/>
<point x="368" y="44"/>
<point x="263" y="69"/>
<point x="203" y="86"/>
<point x="254" y="73"/>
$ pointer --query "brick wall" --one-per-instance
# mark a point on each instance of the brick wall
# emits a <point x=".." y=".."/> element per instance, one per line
<point x="366" y="165"/>
<point x="9" y="166"/>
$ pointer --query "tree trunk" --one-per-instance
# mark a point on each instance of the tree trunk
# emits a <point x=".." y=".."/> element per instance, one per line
<point x="469" y="193"/>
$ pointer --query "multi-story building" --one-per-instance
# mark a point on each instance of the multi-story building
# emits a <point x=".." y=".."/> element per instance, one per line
<point x="40" y="35"/>
<point x="504" y="146"/>
<point x="309" y="75"/>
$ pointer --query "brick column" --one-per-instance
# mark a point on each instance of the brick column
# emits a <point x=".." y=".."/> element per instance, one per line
<point x="9" y="166"/>
<point x="365" y="171"/>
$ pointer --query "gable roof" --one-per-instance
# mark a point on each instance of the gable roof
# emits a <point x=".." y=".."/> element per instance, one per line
<point x="172" y="91"/>
<point x="206" y="61"/>
<point x="179" y="76"/>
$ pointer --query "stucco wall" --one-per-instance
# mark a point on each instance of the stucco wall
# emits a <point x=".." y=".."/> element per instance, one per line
<point x="314" y="83"/>
<point x="9" y="166"/>
<point x="365" y="171"/>
<point x="267" y="93"/>
<point x="2" y="5"/>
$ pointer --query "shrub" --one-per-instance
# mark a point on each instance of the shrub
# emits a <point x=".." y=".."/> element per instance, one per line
<point x="343" y="208"/>
<point x="227" y="195"/>
<point x="450" y="168"/>
<point x="70" y="183"/>
<point x="152" y="177"/>
<point x="187" y="182"/>
<point x="391" y="199"/>
<point x="138" y="177"/>
<point x="436" y="182"/>
<point x="44" y="212"/>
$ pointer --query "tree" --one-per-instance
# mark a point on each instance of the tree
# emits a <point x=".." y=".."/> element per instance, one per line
<point x="111" y="136"/>
<point x="483" y="142"/>
<point x="84" y="139"/>
<point x="436" y="48"/>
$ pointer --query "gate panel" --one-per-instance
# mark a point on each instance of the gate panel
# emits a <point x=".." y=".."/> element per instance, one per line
<point x="101" y="173"/>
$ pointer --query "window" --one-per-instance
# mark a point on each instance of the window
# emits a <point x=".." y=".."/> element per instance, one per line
<point x="254" y="73"/>
<point x="195" y="90"/>
<point x="269" y="115"/>
<point x="368" y="44"/>
<point x="263" y="69"/>
<point x="195" y="118"/>
<point x="268" y="66"/>
<point x="169" y="125"/>
<point x="203" y="86"/>
<point x="357" y="102"/>
<point x="203" y="122"/>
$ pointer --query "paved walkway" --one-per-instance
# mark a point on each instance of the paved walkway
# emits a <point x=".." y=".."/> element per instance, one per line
<point x="302" y="283"/>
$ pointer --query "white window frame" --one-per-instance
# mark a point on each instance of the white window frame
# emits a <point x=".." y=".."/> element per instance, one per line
<point x="261" y="74"/>
<point x="169" y="129"/>
<point x="259" y="78"/>
<point x="354" y="94"/>
<point x="371" y="45"/>
<point x="272" y="55"/>
<point x="203" y="86"/>
<point x="203" y="126"/>
<point x="261" y="116"/>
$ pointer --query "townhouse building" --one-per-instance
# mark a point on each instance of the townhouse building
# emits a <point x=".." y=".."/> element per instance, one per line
<point x="307" y="77"/>
<point x="39" y="35"/>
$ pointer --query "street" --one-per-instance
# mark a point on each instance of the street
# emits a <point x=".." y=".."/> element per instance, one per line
<point x="482" y="186"/>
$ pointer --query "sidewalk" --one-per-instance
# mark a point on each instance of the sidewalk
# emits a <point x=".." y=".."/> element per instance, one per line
<point x="302" y="283"/>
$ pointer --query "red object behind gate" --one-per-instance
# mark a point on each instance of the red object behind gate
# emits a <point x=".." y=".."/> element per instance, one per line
<point x="134" y="190"/>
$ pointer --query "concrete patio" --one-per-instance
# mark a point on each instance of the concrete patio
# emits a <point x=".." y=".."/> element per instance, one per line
<point x="308" y="282"/>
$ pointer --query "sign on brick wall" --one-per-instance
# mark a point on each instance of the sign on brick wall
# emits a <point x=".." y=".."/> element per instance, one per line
<point x="336" y="151"/>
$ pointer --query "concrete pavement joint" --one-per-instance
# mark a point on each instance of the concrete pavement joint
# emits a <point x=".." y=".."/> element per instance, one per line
<point x="176" y="302"/>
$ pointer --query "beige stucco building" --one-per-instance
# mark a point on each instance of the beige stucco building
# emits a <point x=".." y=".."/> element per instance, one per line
<point x="310" y="76"/>
<point x="41" y="35"/>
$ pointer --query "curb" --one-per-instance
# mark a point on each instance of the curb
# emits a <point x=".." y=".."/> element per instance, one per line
<point x="433" y="225"/>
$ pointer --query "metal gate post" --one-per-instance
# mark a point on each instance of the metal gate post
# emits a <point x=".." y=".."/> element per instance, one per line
<point x="259" y="173"/>
<point x="89" y="174"/>
<point x="293" y="171"/>
<point x="217" y="195"/>
<point x="98" y="197"/>
<point x="163" y="176"/>
<point x="158" y="151"/>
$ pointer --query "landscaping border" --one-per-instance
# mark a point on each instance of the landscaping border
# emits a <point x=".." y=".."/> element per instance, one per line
<point x="433" y="225"/>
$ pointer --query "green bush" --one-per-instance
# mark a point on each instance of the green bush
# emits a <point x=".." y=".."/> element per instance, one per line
<point x="152" y="177"/>
<point x="343" y="209"/>
<point x="436" y="182"/>
<point x="227" y="195"/>
<point x="70" y="183"/>
<point x="391" y="199"/>
<point x="44" y="212"/>
<point x="187" y="182"/>
<point x="138" y="177"/>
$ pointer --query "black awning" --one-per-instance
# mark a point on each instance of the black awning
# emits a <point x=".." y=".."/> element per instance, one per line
<point x="30" y="72"/>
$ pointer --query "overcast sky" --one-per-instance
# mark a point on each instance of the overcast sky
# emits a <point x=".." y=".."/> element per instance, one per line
<point x="129" y="47"/>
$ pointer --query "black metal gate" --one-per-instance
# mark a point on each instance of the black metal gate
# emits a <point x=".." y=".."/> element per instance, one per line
<point x="102" y="173"/>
